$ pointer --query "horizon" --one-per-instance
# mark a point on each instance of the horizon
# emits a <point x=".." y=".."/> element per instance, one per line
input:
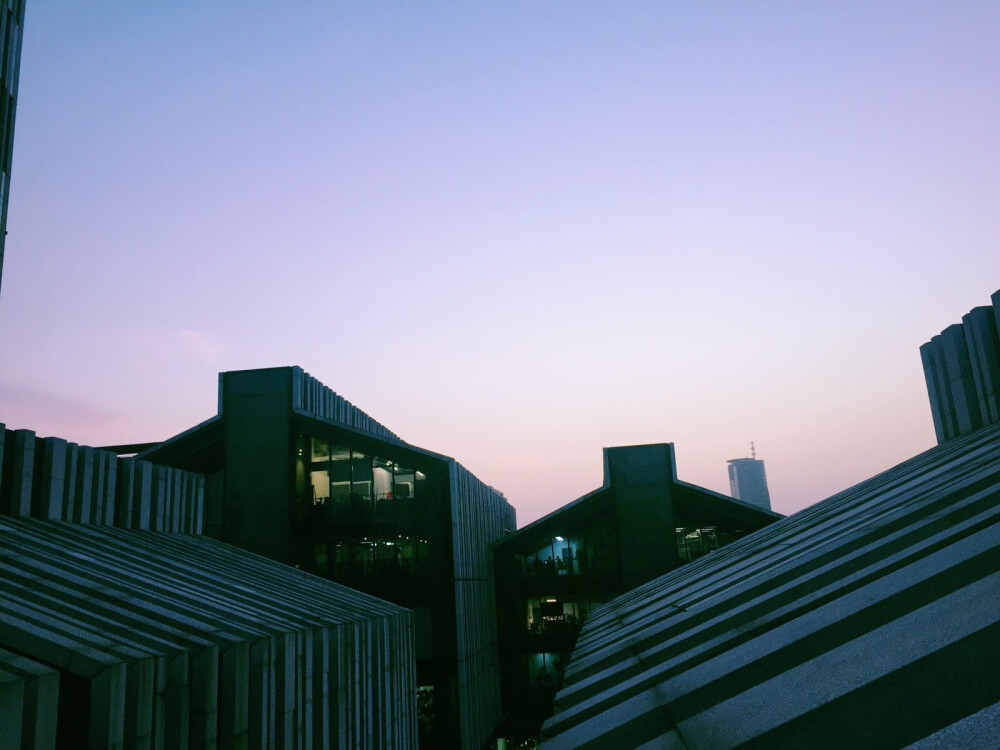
<point x="514" y="235"/>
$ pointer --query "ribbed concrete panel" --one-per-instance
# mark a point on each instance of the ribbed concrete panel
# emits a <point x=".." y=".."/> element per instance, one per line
<point x="983" y="344"/>
<point x="4" y="500"/>
<point x="29" y="694"/>
<point x="11" y="33"/>
<point x="869" y="620"/>
<point x="52" y="490"/>
<point x="995" y="299"/>
<point x="12" y="701"/>
<point x="962" y="371"/>
<point x="179" y="641"/>
<point x="84" y="485"/>
<point x="961" y="379"/>
<point x="480" y="516"/>
<point x="22" y="467"/>
<point x="52" y="479"/>
<point x="938" y="389"/>
<point x="312" y="397"/>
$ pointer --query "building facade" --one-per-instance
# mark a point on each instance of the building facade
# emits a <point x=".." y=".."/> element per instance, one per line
<point x="298" y="474"/>
<point x="11" y="31"/>
<point x="869" y="620"/>
<point x="962" y="370"/>
<point x="748" y="482"/>
<point x="640" y="524"/>
<point x="123" y="626"/>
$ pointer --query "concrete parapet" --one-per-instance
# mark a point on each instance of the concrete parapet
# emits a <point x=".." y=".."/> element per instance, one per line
<point x="144" y="639"/>
<point x="962" y="372"/>
<point x="53" y="479"/>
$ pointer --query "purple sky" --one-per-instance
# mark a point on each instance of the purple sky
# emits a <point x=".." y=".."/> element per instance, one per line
<point x="514" y="233"/>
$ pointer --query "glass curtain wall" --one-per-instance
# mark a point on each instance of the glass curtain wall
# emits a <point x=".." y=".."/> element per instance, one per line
<point x="580" y="550"/>
<point x="365" y="519"/>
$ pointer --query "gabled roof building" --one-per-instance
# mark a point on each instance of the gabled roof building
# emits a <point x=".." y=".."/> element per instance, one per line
<point x="122" y="626"/>
<point x="869" y="620"/>
<point x="552" y="573"/>
<point x="298" y="474"/>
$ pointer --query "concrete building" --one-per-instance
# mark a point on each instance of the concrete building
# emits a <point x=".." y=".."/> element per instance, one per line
<point x="962" y="370"/>
<point x="640" y="524"/>
<point x="298" y="474"/>
<point x="56" y="480"/>
<point x="869" y="620"/>
<point x="11" y="26"/>
<point x="121" y="626"/>
<point x="748" y="482"/>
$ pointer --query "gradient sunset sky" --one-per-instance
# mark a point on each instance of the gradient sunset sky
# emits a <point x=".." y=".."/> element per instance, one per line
<point x="514" y="233"/>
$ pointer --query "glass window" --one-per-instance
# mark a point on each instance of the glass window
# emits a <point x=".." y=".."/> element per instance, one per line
<point x="365" y="525"/>
<point x="361" y="483"/>
<point x="402" y="482"/>
<point x="382" y="482"/>
<point x="340" y="482"/>
<point x="320" y="450"/>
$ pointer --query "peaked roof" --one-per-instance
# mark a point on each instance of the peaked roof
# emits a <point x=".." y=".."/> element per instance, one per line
<point x="193" y="583"/>
<point x="131" y="611"/>
<point x="871" y="619"/>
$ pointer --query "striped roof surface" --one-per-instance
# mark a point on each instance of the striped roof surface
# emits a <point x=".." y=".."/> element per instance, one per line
<point x="869" y="620"/>
<point x="87" y="600"/>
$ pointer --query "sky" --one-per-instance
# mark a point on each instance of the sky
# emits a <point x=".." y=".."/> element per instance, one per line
<point x="514" y="233"/>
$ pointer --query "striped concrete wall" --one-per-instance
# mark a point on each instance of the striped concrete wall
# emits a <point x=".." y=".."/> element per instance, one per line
<point x="479" y="515"/>
<point x="53" y="479"/>
<point x="869" y="620"/>
<point x="962" y="371"/>
<point x="313" y="398"/>
<point x="178" y="641"/>
<point x="29" y="698"/>
<point x="11" y="33"/>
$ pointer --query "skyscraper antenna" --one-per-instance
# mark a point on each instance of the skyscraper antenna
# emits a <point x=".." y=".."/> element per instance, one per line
<point x="753" y="451"/>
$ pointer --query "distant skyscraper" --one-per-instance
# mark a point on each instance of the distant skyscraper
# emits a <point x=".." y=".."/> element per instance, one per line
<point x="11" y="23"/>
<point x="747" y="481"/>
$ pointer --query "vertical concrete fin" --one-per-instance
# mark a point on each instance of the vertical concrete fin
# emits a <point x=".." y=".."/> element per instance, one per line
<point x="4" y="507"/>
<point x="22" y="473"/>
<point x="110" y="489"/>
<point x="981" y="339"/>
<point x="72" y="469"/>
<point x="125" y="485"/>
<point x="53" y="479"/>
<point x="928" y="357"/>
<point x="143" y="499"/>
<point x="84" y="485"/>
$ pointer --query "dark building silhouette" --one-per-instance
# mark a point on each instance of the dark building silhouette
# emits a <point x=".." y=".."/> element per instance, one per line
<point x="748" y="482"/>
<point x="11" y="30"/>
<point x="962" y="370"/>
<point x="640" y="524"/>
<point x="122" y="626"/>
<point x="870" y="620"/>
<point x="298" y="474"/>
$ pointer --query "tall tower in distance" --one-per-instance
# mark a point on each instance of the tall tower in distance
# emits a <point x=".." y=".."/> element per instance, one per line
<point x="747" y="481"/>
<point x="11" y="24"/>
